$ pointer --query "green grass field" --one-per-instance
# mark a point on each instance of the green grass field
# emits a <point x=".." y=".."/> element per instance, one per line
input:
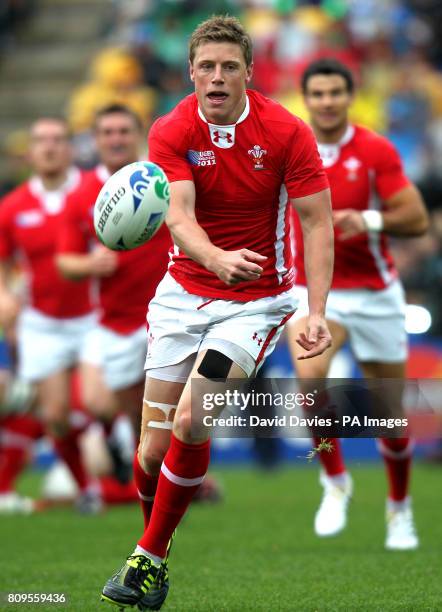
<point x="255" y="551"/>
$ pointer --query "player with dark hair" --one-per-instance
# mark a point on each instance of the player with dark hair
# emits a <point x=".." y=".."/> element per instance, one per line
<point x="54" y="326"/>
<point x="236" y="162"/>
<point x="371" y="199"/>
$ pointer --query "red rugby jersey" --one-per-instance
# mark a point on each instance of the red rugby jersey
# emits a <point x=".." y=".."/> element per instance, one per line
<point x="243" y="175"/>
<point x="363" y="170"/>
<point x="124" y="296"/>
<point x="30" y="220"/>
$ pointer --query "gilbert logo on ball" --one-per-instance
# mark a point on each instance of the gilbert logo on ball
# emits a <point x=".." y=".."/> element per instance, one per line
<point x="131" y="206"/>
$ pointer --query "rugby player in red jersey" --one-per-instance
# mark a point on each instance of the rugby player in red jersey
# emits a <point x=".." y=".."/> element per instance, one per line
<point x="127" y="279"/>
<point x="236" y="162"/>
<point x="371" y="199"/>
<point x="54" y="325"/>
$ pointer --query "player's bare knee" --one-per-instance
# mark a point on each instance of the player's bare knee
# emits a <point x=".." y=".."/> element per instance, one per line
<point x="151" y="454"/>
<point x="151" y="461"/>
<point x="182" y="426"/>
<point x="56" y="418"/>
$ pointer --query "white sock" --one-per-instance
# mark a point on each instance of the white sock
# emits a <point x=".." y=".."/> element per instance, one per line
<point x="398" y="506"/>
<point x="141" y="551"/>
<point x="339" y="480"/>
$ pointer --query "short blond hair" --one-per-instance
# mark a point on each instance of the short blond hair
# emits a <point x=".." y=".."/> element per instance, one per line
<point x="221" y="28"/>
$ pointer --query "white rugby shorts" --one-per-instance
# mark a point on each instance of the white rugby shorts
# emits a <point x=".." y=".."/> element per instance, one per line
<point x="47" y="345"/>
<point x="122" y="356"/>
<point x="374" y="320"/>
<point x="182" y="324"/>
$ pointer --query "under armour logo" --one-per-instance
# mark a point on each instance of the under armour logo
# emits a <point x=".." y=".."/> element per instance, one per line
<point x="256" y="337"/>
<point x="224" y="135"/>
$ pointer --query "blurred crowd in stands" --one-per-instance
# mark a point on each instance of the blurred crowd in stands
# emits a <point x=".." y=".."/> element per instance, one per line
<point x="393" y="46"/>
<point x="12" y="12"/>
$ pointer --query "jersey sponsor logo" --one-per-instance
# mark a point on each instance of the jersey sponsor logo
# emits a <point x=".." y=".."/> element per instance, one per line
<point x="217" y="136"/>
<point x="31" y="218"/>
<point x="352" y="165"/>
<point x="201" y="158"/>
<point x="257" y="155"/>
<point x="223" y="138"/>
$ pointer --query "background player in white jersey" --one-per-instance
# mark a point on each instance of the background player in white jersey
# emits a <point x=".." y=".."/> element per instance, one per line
<point x="371" y="197"/>
<point x="54" y="325"/>
<point x="236" y="161"/>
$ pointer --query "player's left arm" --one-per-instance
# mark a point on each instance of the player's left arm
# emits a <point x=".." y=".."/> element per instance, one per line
<point x="403" y="211"/>
<point x="403" y="214"/>
<point x="314" y="212"/>
<point x="307" y="187"/>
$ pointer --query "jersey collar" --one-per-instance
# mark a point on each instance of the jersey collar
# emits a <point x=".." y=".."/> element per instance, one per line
<point x="102" y="173"/>
<point x="330" y="152"/>
<point x="52" y="201"/>
<point x="223" y="136"/>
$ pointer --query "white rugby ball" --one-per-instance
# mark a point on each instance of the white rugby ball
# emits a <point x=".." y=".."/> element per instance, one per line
<point x="131" y="206"/>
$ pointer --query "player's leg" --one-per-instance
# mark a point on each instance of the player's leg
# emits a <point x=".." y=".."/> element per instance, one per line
<point x="122" y="358"/>
<point x="54" y="399"/>
<point x="96" y="396"/>
<point x="379" y="342"/>
<point x="159" y="407"/>
<point x="180" y="475"/>
<point x="185" y="463"/>
<point x="397" y="456"/>
<point x="331" y="517"/>
<point x="18" y="432"/>
<point x="103" y="404"/>
<point x="46" y="354"/>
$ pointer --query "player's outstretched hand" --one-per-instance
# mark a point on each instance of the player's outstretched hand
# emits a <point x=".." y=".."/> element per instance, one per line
<point x="350" y="223"/>
<point x="235" y="267"/>
<point x="316" y="338"/>
<point x="103" y="261"/>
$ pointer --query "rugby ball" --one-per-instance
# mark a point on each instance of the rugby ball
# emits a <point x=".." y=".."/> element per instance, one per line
<point x="131" y="206"/>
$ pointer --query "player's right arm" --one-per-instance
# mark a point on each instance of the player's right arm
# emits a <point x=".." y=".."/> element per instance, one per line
<point x="231" y="267"/>
<point x="100" y="262"/>
<point x="74" y="260"/>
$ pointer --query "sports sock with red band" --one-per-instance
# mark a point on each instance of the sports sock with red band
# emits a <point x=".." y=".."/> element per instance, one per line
<point x="182" y="472"/>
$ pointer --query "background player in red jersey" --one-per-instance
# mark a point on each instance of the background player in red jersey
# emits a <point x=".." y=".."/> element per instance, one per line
<point x="127" y="280"/>
<point x="235" y="161"/>
<point x="371" y="198"/>
<point x="53" y="328"/>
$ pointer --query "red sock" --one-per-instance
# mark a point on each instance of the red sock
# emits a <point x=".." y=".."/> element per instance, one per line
<point x="114" y="492"/>
<point x="397" y="454"/>
<point x="146" y="486"/>
<point x="182" y="472"/>
<point x="333" y="461"/>
<point x="17" y="434"/>
<point x="68" y="449"/>
<point x="12" y="462"/>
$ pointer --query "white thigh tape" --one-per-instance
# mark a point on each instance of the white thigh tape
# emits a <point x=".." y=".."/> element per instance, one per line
<point x="166" y="408"/>
<point x="160" y="424"/>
